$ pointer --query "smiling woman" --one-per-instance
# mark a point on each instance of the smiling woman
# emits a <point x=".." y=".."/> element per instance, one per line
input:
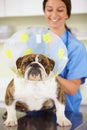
<point x="56" y="13"/>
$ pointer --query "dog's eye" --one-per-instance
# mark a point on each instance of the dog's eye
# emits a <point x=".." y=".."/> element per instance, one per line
<point x="40" y="60"/>
<point x="44" y="63"/>
<point x="30" y="59"/>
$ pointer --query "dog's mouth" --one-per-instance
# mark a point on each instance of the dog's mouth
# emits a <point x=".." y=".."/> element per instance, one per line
<point x="34" y="72"/>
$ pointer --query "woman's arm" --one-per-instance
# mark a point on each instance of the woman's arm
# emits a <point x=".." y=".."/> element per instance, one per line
<point x="69" y="86"/>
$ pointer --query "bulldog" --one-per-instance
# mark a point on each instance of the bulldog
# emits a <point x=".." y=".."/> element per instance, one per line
<point x="37" y="89"/>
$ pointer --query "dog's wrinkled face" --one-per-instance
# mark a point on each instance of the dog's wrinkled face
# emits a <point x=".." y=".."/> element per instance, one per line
<point x="35" y="66"/>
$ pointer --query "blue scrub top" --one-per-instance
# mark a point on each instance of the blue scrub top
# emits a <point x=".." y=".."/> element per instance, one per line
<point x="75" y="68"/>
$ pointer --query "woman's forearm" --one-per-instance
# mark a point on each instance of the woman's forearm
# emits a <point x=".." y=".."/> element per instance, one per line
<point x="69" y="86"/>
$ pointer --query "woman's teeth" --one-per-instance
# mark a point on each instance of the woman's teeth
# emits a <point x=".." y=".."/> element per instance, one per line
<point x="54" y="20"/>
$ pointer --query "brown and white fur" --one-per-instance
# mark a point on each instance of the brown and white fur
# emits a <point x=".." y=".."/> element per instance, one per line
<point x="36" y="90"/>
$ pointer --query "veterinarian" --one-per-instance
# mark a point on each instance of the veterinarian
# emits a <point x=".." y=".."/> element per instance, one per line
<point x="56" y="13"/>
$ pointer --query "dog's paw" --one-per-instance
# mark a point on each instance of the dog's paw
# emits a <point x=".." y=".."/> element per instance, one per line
<point x="10" y="122"/>
<point x="63" y="121"/>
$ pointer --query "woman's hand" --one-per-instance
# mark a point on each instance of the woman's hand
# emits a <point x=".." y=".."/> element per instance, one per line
<point x="69" y="86"/>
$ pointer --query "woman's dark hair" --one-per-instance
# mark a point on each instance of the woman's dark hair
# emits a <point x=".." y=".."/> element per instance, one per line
<point x="67" y="3"/>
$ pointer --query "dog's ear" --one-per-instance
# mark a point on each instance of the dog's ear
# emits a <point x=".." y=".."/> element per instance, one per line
<point x="18" y="62"/>
<point x="52" y="63"/>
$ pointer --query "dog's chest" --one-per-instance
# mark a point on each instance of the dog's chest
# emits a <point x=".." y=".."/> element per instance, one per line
<point x="34" y="94"/>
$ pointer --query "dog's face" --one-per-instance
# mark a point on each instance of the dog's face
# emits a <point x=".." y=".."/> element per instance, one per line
<point x="35" y="66"/>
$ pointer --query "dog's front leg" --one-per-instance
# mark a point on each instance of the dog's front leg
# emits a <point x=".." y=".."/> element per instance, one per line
<point x="11" y="115"/>
<point x="10" y="105"/>
<point x="61" y="118"/>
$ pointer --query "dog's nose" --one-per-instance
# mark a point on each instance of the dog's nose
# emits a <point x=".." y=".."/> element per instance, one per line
<point x="35" y="65"/>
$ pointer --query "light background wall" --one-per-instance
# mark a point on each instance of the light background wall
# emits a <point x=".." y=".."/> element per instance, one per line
<point x="78" y="21"/>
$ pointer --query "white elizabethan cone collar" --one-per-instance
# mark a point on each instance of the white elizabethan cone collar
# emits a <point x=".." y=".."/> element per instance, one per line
<point x="36" y="40"/>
